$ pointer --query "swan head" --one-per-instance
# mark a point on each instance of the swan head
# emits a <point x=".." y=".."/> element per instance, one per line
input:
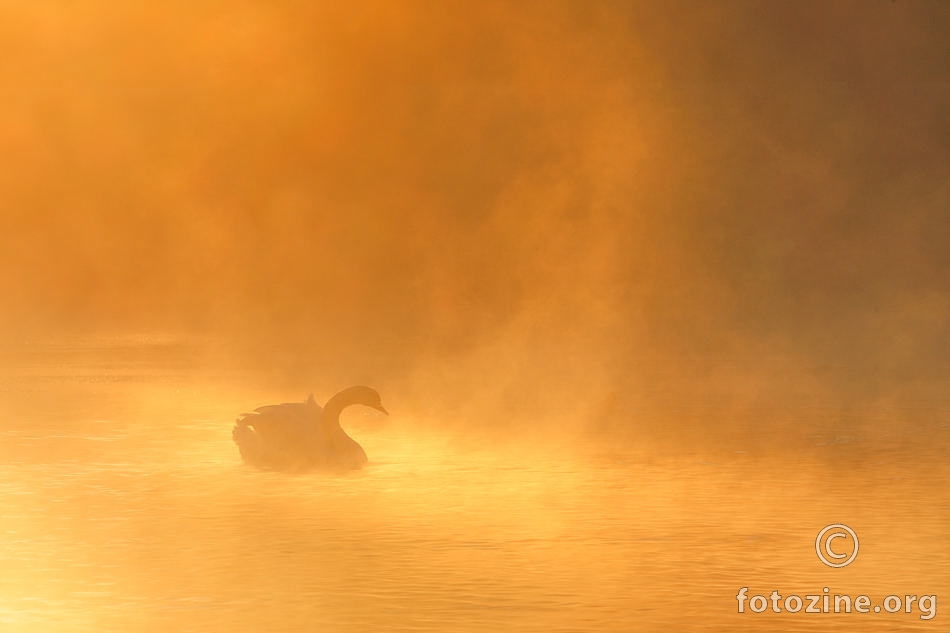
<point x="366" y="396"/>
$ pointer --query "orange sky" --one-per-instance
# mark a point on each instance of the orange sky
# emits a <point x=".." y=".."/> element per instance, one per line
<point x="613" y="191"/>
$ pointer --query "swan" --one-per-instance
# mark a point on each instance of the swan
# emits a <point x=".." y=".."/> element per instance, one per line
<point x="297" y="436"/>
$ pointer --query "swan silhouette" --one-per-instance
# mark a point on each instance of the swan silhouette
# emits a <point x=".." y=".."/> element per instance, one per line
<point x="297" y="436"/>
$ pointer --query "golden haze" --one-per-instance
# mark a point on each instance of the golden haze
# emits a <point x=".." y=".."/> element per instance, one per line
<point x="654" y="291"/>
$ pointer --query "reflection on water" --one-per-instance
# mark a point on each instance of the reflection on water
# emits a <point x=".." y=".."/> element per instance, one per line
<point x="125" y="508"/>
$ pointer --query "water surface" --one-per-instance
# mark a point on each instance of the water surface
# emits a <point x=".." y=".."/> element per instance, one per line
<point x="125" y="508"/>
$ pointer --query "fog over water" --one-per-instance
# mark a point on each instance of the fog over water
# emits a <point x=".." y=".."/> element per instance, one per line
<point x="652" y="291"/>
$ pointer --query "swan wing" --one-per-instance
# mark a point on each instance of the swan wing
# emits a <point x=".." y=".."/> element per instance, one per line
<point x="289" y="409"/>
<point x="282" y="422"/>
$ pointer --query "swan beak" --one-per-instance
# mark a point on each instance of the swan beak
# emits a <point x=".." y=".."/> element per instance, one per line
<point x="382" y="409"/>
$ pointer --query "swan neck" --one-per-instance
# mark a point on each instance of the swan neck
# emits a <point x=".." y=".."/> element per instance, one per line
<point x="333" y="409"/>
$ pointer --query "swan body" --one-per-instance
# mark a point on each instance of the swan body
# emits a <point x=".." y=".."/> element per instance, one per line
<point x="297" y="436"/>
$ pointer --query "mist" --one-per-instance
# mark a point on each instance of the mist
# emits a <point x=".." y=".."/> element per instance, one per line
<point x="506" y="214"/>
<point x="654" y="294"/>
